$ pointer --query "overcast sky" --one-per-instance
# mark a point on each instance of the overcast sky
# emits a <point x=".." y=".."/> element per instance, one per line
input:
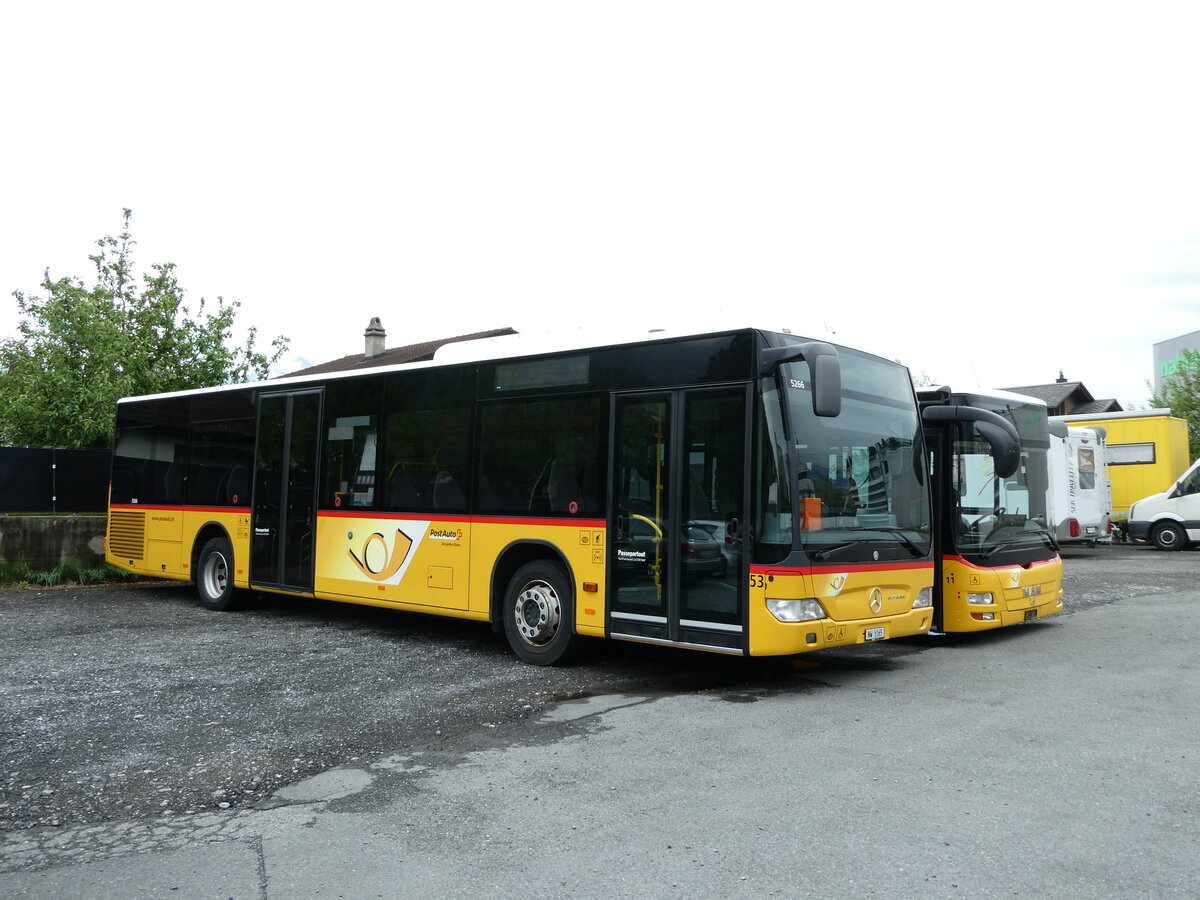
<point x="990" y="194"/>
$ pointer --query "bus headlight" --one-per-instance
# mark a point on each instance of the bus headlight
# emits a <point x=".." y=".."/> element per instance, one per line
<point x="924" y="598"/>
<point x="796" y="610"/>
<point x="980" y="599"/>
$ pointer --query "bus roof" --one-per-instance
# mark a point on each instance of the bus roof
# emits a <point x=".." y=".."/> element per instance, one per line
<point x="483" y="350"/>
<point x="995" y="394"/>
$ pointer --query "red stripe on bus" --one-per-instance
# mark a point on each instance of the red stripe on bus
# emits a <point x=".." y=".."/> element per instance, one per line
<point x="433" y="515"/>
<point x="203" y="509"/>
<point x="834" y="567"/>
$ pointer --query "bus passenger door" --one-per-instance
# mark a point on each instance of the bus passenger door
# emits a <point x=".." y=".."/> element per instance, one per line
<point x="283" y="521"/>
<point x="678" y="503"/>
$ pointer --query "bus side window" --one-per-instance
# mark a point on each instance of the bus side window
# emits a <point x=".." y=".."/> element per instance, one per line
<point x="426" y="441"/>
<point x="542" y="456"/>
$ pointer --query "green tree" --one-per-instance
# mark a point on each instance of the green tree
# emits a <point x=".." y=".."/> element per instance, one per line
<point x="1181" y="392"/>
<point x="79" y="349"/>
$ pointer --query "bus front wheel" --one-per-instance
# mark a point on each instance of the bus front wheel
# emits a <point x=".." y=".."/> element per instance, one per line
<point x="214" y="576"/>
<point x="539" y="614"/>
<point x="1168" y="536"/>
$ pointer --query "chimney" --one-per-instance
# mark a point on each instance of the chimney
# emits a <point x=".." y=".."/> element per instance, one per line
<point x="375" y="338"/>
<point x="1062" y="379"/>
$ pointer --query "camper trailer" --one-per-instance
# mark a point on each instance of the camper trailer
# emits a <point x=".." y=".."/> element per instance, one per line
<point x="1147" y="451"/>
<point x="1079" y="500"/>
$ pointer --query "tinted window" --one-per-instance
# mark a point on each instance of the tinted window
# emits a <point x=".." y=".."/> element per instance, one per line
<point x="701" y="361"/>
<point x="543" y="456"/>
<point x="151" y="451"/>
<point x="353" y="412"/>
<point x="220" y="449"/>
<point x="427" y="440"/>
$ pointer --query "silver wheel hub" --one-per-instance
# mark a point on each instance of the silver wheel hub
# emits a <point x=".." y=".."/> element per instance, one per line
<point x="537" y="613"/>
<point x="216" y="575"/>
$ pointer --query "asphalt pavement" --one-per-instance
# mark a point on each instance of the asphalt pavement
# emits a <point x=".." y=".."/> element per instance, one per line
<point x="149" y="748"/>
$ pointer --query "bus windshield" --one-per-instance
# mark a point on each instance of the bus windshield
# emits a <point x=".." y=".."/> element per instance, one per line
<point x="1001" y="514"/>
<point x="858" y="491"/>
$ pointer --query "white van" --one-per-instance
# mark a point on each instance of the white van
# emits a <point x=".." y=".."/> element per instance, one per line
<point x="1170" y="519"/>
<point x="1079" y="499"/>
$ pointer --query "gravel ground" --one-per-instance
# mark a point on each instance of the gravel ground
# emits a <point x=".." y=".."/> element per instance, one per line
<point x="126" y="703"/>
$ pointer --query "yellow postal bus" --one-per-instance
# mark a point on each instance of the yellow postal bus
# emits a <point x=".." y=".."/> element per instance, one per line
<point x="997" y="561"/>
<point x="743" y="492"/>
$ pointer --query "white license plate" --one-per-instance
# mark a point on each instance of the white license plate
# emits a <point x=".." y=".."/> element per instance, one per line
<point x="876" y="634"/>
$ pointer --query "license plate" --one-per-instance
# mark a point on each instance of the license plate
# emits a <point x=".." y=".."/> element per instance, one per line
<point x="876" y="634"/>
<point x="1030" y="614"/>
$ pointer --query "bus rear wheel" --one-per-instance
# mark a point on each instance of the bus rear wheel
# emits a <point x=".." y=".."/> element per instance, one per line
<point x="1168" y="536"/>
<point x="214" y="576"/>
<point x="539" y="614"/>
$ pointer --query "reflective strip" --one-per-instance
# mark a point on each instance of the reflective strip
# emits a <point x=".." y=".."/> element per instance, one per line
<point x="647" y="640"/>
<point x="711" y="626"/>
<point x="636" y="617"/>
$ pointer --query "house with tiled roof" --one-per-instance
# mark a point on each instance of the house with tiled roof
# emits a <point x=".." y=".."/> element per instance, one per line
<point x="1067" y="398"/>
<point x="376" y="353"/>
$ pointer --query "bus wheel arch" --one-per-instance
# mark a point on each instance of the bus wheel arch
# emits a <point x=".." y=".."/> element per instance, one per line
<point x="1168" y="535"/>
<point x="533" y="602"/>
<point x="213" y="570"/>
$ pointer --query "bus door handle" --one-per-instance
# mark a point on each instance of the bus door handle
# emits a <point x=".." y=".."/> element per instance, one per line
<point x="731" y="529"/>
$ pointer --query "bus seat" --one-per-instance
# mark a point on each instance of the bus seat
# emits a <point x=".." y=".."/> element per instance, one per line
<point x="403" y="492"/>
<point x="446" y="492"/>
<point x="501" y="497"/>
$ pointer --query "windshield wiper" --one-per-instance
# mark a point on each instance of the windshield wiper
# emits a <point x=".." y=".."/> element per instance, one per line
<point x="1044" y="535"/>
<point x="829" y="551"/>
<point x="909" y="544"/>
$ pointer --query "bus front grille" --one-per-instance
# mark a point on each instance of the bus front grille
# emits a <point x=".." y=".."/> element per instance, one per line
<point x="127" y="534"/>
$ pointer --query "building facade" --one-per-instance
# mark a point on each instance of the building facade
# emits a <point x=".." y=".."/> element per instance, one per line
<point x="1168" y="356"/>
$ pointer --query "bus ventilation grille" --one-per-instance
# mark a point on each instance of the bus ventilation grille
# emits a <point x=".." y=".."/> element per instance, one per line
<point x="127" y="534"/>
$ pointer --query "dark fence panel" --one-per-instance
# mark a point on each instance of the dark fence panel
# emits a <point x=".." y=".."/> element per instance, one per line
<point x="53" y="481"/>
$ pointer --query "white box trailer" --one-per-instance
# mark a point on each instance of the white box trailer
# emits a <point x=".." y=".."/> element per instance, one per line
<point x="1079" y="500"/>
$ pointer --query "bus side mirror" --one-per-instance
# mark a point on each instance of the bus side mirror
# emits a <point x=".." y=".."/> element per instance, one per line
<point x="1006" y="452"/>
<point x="825" y="370"/>
<point x="996" y="430"/>
<point x="827" y="385"/>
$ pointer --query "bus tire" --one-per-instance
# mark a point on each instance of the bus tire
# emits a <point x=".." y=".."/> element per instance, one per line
<point x="214" y="576"/>
<point x="1168" y="536"/>
<point x="539" y="614"/>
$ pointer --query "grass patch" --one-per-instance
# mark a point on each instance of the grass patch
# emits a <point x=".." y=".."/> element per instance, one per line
<point x="21" y="575"/>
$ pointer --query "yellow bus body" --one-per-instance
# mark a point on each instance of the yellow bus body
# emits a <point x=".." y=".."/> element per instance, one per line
<point x="847" y="595"/>
<point x="1019" y="594"/>
<point x="158" y="540"/>
<point x="445" y="566"/>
